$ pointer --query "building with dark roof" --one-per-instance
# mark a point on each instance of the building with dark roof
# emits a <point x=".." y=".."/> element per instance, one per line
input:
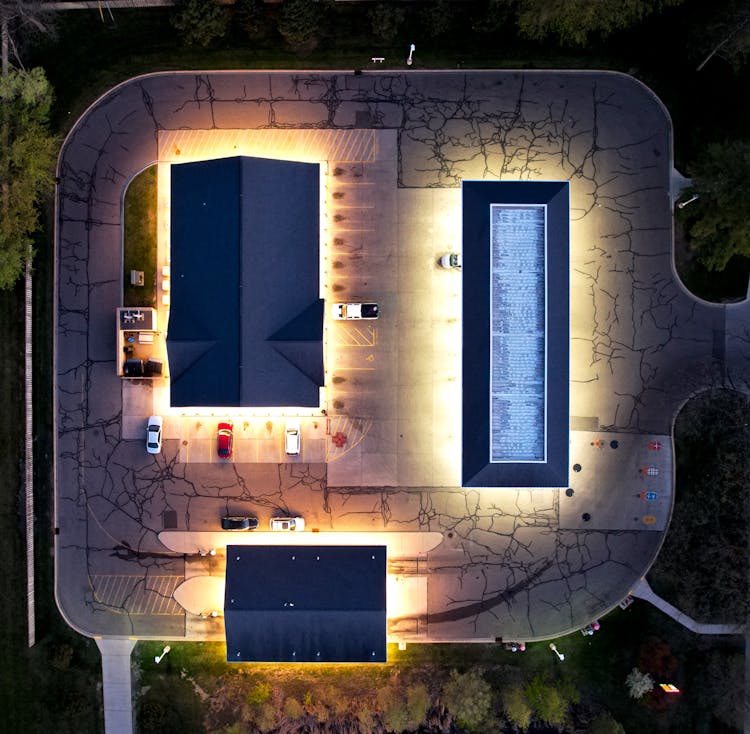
<point x="246" y="317"/>
<point x="305" y="604"/>
<point x="515" y="334"/>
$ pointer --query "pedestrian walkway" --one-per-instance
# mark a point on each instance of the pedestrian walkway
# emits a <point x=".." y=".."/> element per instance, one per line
<point x="116" y="684"/>
<point x="643" y="591"/>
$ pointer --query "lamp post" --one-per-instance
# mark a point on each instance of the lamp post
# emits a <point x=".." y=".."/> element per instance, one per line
<point x="553" y="647"/>
<point x="683" y="204"/>
<point x="158" y="658"/>
<point x="412" y="49"/>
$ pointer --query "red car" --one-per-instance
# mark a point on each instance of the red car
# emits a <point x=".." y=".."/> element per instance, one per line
<point x="226" y="437"/>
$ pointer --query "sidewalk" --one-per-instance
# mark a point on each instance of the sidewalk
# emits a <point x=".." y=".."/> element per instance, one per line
<point x="116" y="684"/>
<point x="643" y="591"/>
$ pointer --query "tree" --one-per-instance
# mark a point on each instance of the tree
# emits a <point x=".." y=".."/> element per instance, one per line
<point x="546" y="701"/>
<point x="716" y="224"/>
<point x="605" y="724"/>
<point x="251" y="17"/>
<point x="727" y="35"/>
<point x="638" y="683"/>
<point x="27" y="154"/>
<point x="200" y="21"/>
<point x="299" y="23"/>
<point x="417" y="703"/>
<point x="468" y="697"/>
<point x="437" y="17"/>
<point x="573" y="21"/>
<point x="386" y="19"/>
<point x="516" y="707"/>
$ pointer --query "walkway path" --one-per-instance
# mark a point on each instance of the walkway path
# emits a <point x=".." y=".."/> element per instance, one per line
<point x="642" y="590"/>
<point x="116" y="682"/>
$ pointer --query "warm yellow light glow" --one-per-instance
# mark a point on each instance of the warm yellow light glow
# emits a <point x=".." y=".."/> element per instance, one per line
<point x="201" y="595"/>
<point x="406" y="596"/>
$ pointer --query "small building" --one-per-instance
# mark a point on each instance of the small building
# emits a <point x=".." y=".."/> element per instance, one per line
<point x="305" y="604"/>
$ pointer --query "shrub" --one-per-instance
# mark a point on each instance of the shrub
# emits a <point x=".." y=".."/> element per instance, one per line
<point x="516" y="707"/>
<point x="605" y="724"/>
<point x="468" y="697"/>
<point x="293" y="708"/>
<point x="437" y="17"/>
<point x="200" y="21"/>
<point x="417" y="704"/>
<point x="386" y="19"/>
<point x="546" y="701"/>
<point x="299" y="23"/>
<point x="259" y="693"/>
<point x="251" y="17"/>
<point x="638" y="683"/>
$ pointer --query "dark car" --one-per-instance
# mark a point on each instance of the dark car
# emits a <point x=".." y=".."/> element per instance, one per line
<point x="225" y="440"/>
<point x="239" y="522"/>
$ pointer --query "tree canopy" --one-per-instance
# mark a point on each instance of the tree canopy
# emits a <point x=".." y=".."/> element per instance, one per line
<point x="27" y="154"/>
<point x="573" y="21"/>
<point x="716" y="223"/>
<point x="300" y="23"/>
<point x="200" y="21"/>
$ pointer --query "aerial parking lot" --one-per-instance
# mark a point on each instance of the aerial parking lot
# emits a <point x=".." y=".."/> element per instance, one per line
<point x="383" y="450"/>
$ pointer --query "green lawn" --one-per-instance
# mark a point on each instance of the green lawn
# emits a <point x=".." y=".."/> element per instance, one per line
<point x="139" y="250"/>
<point x="596" y="666"/>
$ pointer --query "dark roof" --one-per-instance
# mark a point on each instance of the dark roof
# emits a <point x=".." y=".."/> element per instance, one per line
<point x="305" y="604"/>
<point x="246" y="317"/>
<point x="477" y="469"/>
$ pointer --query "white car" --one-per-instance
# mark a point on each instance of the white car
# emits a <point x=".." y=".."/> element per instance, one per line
<point x="346" y="311"/>
<point x="287" y="523"/>
<point x="153" y="434"/>
<point x="451" y="260"/>
<point x="292" y="438"/>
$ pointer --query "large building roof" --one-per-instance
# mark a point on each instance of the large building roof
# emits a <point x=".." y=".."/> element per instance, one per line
<point x="246" y="318"/>
<point x="515" y="334"/>
<point x="305" y="604"/>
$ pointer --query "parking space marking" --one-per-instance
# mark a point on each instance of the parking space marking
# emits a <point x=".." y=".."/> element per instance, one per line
<point x="136" y="595"/>
<point x="354" y="336"/>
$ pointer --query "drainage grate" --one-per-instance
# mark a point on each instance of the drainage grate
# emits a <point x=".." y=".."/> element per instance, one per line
<point x="169" y="519"/>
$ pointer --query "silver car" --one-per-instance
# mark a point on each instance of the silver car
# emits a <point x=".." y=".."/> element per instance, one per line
<point x="287" y="523"/>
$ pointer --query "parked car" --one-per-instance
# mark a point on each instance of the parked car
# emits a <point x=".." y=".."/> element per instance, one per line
<point x="346" y="311"/>
<point x="292" y="438"/>
<point x="239" y="522"/>
<point x="225" y="440"/>
<point x="287" y="523"/>
<point x="153" y="434"/>
<point x="451" y="260"/>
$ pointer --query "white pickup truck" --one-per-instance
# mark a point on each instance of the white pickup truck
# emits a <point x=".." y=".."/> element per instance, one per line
<point x="346" y="311"/>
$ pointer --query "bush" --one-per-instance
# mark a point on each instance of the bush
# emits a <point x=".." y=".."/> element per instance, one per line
<point x="638" y="683"/>
<point x="259" y="693"/>
<point x="200" y="21"/>
<point x="300" y="22"/>
<point x="251" y="18"/>
<point x="468" y="697"/>
<point x="437" y="17"/>
<point x="386" y="19"/>
<point x="293" y="708"/>
<point x="546" y="701"/>
<point x="516" y="707"/>
<point x="417" y="704"/>
<point x="605" y="724"/>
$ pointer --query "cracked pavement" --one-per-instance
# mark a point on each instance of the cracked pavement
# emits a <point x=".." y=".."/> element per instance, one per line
<point x="518" y="564"/>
